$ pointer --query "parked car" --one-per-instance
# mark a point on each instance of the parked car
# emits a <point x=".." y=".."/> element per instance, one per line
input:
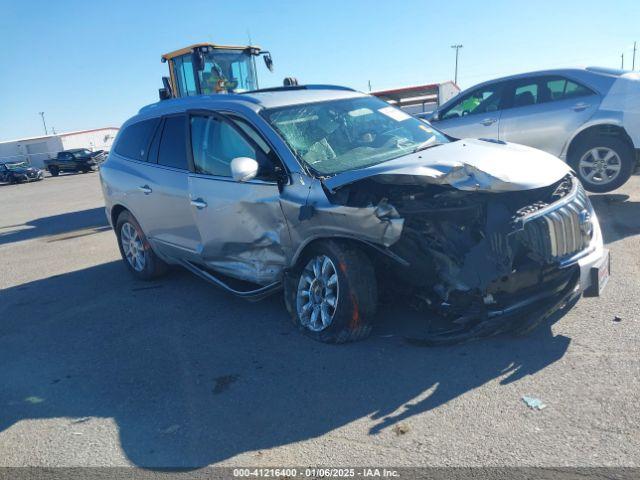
<point x="335" y="196"/>
<point x="18" y="172"/>
<point x="586" y="116"/>
<point x="75" y="160"/>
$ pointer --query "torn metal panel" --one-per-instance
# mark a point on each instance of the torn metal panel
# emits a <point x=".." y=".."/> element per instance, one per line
<point x="475" y="165"/>
<point x="243" y="231"/>
<point x="379" y="224"/>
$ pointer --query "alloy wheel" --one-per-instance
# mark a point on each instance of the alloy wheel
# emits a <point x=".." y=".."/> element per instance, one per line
<point x="132" y="246"/>
<point x="317" y="294"/>
<point x="600" y="165"/>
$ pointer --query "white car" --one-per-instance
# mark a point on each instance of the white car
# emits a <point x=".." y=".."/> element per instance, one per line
<point x="589" y="117"/>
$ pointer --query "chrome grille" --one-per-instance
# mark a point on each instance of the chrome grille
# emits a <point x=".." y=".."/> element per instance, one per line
<point x="562" y="231"/>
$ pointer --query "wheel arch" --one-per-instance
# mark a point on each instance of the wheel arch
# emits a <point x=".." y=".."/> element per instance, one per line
<point x="115" y="212"/>
<point x="606" y="129"/>
<point x="370" y="249"/>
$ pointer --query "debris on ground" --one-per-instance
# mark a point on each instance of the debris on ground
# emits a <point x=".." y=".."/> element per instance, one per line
<point x="223" y="382"/>
<point x="81" y="420"/>
<point x="401" y="429"/>
<point x="533" y="403"/>
<point x="34" y="400"/>
<point x="617" y="319"/>
<point x="171" y="429"/>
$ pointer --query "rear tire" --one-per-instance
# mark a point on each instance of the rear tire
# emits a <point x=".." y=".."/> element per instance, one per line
<point x="332" y="297"/>
<point x="602" y="163"/>
<point x="54" y="171"/>
<point x="135" y="249"/>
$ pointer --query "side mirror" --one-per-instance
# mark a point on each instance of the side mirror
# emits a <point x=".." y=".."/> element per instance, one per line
<point x="268" y="61"/>
<point x="164" y="94"/>
<point x="244" y="169"/>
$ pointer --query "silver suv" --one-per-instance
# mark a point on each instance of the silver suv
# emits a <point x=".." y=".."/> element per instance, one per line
<point x="589" y="117"/>
<point x="335" y="196"/>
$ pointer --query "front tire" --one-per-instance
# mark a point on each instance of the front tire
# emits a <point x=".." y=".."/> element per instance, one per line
<point x="54" y="171"/>
<point x="602" y="163"/>
<point x="333" y="296"/>
<point x="135" y="249"/>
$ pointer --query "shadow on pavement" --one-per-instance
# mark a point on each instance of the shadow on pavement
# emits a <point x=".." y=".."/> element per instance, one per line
<point x="193" y="376"/>
<point x="619" y="217"/>
<point x="93" y="219"/>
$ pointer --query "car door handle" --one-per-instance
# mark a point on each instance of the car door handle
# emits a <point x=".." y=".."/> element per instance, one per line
<point x="146" y="189"/>
<point x="199" y="203"/>
<point x="579" y="107"/>
<point x="488" y="121"/>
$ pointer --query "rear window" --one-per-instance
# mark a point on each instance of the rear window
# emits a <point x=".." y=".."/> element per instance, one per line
<point x="172" y="152"/>
<point x="133" y="141"/>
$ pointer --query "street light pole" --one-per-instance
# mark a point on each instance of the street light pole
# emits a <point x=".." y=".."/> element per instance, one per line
<point x="44" y="123"/>
<point x="457" y="47"/>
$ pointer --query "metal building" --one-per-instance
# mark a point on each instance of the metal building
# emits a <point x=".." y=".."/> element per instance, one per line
<point x="419" y="98"/>
<point x="37" y="149"/>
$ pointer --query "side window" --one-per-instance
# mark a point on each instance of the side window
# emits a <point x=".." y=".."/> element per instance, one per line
<point x="562" y="89"/>
<point x="133" y="141"/>
<point x="546" y="89"/>
<point x="556" y="88"/>
<point x="526" y="94"/>
<point x="250" y="132"/>
<point x="183" y="71"/>
<point x="215" y="142"/>
<point x="172" y="151"/>
<point x="573" y="90"/>
<point x="482" y="100"/>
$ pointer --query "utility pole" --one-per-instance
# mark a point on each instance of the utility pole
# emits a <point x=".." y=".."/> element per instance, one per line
<point x="369" y="85"/>
<point x="455" y="77"/>
<point x="622" y="62"/>
<point x="633" y="61"/>
<point x="44" y="123"/>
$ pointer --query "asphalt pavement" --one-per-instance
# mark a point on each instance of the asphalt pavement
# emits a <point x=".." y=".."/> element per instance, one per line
<point x="99" y="369"/>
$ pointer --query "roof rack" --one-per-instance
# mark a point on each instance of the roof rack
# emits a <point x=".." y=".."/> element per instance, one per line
<point x="196" y="99"/>
<point x="299" y="87"/>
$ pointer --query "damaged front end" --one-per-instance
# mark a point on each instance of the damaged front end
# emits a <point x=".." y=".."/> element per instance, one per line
<point x="486" y="261"/>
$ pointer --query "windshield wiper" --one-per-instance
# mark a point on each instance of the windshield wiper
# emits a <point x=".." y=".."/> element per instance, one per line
<point x="431" y="142"/>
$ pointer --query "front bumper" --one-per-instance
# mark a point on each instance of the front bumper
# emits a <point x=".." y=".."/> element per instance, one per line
<point x="530" y="310"/>
<point x="592" y="262"/>
<point x="27" y="178"/>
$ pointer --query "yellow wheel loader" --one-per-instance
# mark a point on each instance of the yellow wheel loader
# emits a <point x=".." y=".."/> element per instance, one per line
<point x="206" y="69"/>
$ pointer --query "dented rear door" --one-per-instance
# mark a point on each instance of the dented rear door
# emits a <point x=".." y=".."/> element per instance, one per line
<point x="242" y="228"/>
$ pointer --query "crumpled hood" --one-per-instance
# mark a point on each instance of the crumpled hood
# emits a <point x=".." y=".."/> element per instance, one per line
<point x="467" y="164"/>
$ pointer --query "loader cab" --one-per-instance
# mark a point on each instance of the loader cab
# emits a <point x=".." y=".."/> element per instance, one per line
<point x="207" y="69"/>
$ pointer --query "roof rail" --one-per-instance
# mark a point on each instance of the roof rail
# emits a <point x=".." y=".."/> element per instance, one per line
<point x="194" y="99"/>
<point x="299" y="87"/>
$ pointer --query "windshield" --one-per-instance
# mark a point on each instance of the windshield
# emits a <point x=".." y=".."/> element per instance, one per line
<point x="340" y="135"/>
<point x="227" y="70"/>
<point x="81" y="153"/>
<point x="16" y="166"/>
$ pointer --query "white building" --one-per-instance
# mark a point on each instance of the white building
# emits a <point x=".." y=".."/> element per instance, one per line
<point x="419" y="98"/>
<point x="38" y="149"/>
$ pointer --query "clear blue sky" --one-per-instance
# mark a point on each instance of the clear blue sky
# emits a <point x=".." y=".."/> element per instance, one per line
<point x="93" y="63"/>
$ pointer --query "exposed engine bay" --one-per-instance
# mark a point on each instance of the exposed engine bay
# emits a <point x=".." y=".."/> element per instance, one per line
<point x="472" y="256"/>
